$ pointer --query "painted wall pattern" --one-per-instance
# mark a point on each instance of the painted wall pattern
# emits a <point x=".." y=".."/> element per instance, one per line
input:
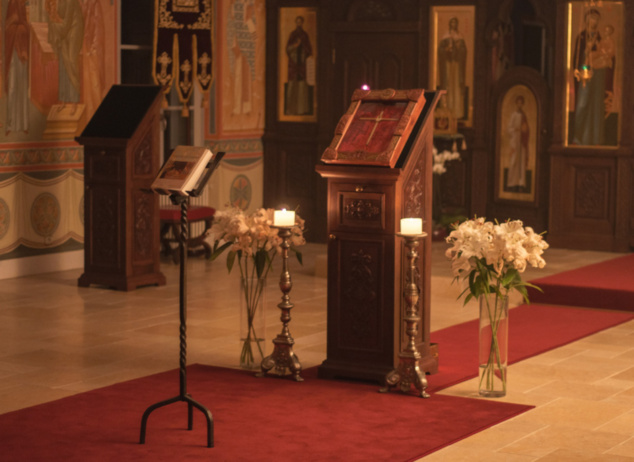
<point x="55" y="70"/>
<point x="55" y="84"/>
<point x="40" y="213"/>
<point x="236" y="123"/>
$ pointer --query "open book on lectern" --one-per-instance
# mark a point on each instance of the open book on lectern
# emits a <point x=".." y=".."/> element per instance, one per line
<point x="187" y="168"/>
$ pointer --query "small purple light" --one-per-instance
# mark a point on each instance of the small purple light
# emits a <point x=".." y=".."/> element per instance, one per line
<point x="365" y="87"/>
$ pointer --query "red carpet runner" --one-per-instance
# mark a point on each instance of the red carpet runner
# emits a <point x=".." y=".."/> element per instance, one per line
<point x="533" y="329"/>
<point x="609" y="284"/>
<point x="277" y="419"/>
<point x="255" y="420"/>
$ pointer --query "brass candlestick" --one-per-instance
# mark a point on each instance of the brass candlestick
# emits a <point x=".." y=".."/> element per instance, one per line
<point x="408" y="372"/>
<point x="283" y="356"/>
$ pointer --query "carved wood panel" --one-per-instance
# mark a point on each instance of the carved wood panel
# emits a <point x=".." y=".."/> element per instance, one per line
<point x="359" y="304"/>
<point x="583" y="200"/>
<point x="364" y="210"/>
<point x="104" y="242"/>
<point x="144" y="229"/>
<point x="592" y="193"/>
<point x="143" y="157"/>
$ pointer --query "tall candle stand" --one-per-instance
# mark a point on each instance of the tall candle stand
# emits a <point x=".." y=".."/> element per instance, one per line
<point x="408" y="372"/>
<point x="283" y="356"/>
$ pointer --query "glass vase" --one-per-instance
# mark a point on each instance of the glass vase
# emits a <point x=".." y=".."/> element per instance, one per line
<point x="252" y="322"/>
<point x="493" y="351"/>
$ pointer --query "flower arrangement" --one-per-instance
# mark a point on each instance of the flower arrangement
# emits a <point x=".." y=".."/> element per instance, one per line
<point x="441" y="158"/>
<point x="441" y="220"/>
<point x="253" y="242"/>
<point x="490" y="257"/>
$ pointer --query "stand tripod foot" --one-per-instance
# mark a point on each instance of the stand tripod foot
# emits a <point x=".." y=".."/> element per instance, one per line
<point x="191" y="404"/>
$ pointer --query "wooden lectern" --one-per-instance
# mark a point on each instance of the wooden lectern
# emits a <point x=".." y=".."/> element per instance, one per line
<point x="379" y="170"/>
<point x="121" y="215"/>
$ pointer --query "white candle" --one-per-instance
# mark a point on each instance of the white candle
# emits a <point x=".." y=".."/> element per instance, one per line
<point x="284" y="218"/>
<point x="411" y="226"/>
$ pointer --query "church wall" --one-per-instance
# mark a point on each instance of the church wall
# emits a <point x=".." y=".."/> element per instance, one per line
<point x="41" y="166"/>
<point x="46" y="99"/>
<point x="236" y="120"/>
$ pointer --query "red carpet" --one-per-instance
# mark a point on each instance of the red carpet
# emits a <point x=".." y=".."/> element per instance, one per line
<point x="609" y="284"/>
<point x="255" y="419"/>
<point x="533" y="329"/>
<point x="277" y="419"/>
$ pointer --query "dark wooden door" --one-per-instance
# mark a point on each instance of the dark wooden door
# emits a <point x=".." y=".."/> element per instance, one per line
<point x="379" y="60"/>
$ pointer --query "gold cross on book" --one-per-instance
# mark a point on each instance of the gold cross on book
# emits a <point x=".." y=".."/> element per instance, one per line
<point x="376" y="120"/>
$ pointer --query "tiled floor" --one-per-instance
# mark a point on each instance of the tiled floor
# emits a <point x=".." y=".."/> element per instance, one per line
<point x="57" y="339"/>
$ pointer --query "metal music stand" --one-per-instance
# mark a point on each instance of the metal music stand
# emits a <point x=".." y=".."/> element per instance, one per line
<point x="183" y="395"/>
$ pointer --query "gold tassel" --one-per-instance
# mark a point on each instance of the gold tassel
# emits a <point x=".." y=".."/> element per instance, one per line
<point x="464" y="144"/>
<point x="453" y="146"/>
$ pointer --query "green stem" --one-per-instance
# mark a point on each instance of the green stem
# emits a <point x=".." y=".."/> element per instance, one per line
<point x="253" y="288"/>
<point x="494" y="357"/>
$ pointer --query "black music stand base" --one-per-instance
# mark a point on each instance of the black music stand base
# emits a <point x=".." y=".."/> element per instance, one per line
<point x="191" y="404"/>
<point x="183" y="396"/>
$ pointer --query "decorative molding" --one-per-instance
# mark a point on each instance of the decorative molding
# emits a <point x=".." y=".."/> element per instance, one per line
<point x="241" y="192"/>
<point x="45" y="214"/>
<point x="253" y="145"/>
<point x="13" y="159"/>
<point x="362" y="209"/>
<point x="414" y="189"/>
<point x="370" y="10"/>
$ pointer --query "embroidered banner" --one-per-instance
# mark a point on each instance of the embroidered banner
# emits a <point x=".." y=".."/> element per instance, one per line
<point x="182" y="47"/>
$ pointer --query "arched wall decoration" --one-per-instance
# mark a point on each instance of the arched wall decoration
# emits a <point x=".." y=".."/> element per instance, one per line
<point x="520" y="126"/>
<point x="516" y="145"/>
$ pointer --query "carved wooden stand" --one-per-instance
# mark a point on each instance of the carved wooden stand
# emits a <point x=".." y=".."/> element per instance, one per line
<point x="283" y="356"/>
<point x="408" y="372"/>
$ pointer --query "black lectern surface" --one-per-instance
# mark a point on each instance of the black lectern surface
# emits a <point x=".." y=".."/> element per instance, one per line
<point x="121" y="111"/>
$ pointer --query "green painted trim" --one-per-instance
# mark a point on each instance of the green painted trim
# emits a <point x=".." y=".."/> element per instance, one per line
<point x="11" y="158"/>
<point x="23" y="251"/>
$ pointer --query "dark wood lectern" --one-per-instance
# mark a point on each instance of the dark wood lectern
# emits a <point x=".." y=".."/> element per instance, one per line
<point x="372" y="184"/>
<point x="121" y="215"/>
